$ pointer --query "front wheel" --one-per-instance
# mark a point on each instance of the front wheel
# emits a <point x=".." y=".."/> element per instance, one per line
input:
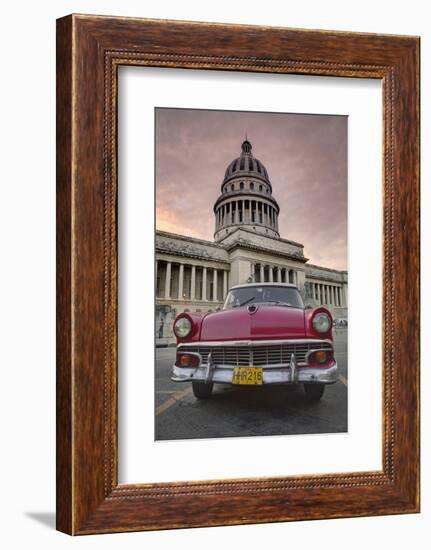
<point x="314" y="392"/>
<point x="201" y="390"/>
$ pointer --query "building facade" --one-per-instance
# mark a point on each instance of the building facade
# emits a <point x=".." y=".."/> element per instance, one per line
<point x="195" y="275"/>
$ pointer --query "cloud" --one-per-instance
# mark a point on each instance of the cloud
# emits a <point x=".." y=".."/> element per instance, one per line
<point x="305" y="155"/>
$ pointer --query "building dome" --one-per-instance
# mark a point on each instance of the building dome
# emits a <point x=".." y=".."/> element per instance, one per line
<point x="246" y="198"/>
<point x="246" y="165"/>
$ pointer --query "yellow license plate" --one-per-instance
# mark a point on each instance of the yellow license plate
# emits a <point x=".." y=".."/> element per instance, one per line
<point x="247" y="376"/>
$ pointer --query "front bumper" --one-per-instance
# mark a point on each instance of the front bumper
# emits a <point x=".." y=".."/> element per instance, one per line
<point x="310" y="375"/>
<point x="288" y="373"/>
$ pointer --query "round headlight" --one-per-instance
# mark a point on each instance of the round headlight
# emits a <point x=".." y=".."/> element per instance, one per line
<point x="322" y="322"/>
<point x="182" y="327"/>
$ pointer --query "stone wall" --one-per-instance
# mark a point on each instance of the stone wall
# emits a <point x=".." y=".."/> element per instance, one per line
<point x="244" y="238"/>
<point x="170" y="243"/>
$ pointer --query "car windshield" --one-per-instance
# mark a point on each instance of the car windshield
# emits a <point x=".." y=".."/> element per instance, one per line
<point x="280" y="295"/>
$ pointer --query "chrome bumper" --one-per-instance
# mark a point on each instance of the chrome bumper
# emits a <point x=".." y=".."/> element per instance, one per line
<point x="271" y="375"/>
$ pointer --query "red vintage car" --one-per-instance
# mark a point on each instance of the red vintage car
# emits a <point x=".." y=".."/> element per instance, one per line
<point x="262" y="336"/>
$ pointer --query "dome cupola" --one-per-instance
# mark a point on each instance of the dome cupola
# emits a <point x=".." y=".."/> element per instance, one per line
<point x="246" y="198"/>
<point x="246" y="146"/>
<point x="246" y="164"/>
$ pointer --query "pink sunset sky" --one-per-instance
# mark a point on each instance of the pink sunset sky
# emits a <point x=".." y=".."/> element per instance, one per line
<point x="305" y="156"/>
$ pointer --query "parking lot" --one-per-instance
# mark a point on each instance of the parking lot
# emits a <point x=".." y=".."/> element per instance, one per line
<point x="247" y="411"/>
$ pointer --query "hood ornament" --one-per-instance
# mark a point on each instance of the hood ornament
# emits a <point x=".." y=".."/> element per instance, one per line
<point x="252" y="308"/>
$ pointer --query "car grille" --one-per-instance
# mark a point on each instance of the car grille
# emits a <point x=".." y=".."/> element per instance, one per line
<point x="260" y="355"/>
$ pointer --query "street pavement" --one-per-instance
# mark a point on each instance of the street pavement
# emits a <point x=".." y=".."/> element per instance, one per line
<point x="247" y="411"/>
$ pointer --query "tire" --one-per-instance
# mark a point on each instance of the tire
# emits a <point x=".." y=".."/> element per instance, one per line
<point x="201" y="390"/>
<point x="314" y="392"/>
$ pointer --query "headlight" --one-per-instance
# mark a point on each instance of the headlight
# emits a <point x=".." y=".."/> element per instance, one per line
<point x="182" y="327"/>
<point x="322" y="322"/>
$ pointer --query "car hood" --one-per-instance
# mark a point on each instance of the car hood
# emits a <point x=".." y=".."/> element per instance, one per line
<point x="266" y="322"/>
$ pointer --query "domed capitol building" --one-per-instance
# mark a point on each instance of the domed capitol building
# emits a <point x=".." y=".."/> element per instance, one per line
<point x="195" y="275"/>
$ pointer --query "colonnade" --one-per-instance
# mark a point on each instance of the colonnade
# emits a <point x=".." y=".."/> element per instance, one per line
<point x="267" y="273"/>
<point x="246" y="211"/>
<point x="186" y="281"/>
<point x="329" y="294"/>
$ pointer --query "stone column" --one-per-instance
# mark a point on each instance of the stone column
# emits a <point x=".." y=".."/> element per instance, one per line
<point x="262" y="273"/>
<point x="193" y="283"/>
<point x="243" y="211"/>
<point x="214" y="285"/>
<point x="271" y="274"/>
<point x="156" y="268"/>
<point x="278" y="275"/>
<point x="224" y="284"/>
<point x="181" y="282"/>
<point x="168" y="280"/>
<point x="344" y="296"/>
<point x="204" y="283"/>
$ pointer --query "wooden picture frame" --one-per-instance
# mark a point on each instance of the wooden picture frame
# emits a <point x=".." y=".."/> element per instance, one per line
<point x="89" y="51"/>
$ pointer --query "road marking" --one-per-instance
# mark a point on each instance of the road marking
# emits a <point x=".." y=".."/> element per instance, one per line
<point x="174" y="399"/>
<point x="343" y="380"/>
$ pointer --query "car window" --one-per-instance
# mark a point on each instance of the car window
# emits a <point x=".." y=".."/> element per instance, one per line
<point x="240" y="297"/>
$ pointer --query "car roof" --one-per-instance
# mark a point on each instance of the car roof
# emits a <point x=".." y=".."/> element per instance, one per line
<point x="247" y="285"/>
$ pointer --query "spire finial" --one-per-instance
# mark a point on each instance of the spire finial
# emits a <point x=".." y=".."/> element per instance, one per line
<point x="246" y="145"/>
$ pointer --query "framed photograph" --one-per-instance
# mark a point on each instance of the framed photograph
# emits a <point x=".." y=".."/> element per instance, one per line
<point x="237" y="274"/>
